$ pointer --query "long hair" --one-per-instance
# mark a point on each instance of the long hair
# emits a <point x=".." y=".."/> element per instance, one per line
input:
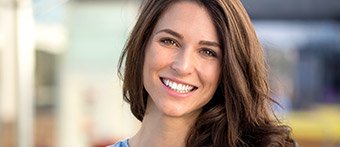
<point x="238" y="114"/>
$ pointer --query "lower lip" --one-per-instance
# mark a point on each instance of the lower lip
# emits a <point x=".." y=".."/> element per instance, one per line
<point x="177" y="94"/>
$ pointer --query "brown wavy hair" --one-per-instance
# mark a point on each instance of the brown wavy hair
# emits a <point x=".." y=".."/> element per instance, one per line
<point x="238" y="113"/>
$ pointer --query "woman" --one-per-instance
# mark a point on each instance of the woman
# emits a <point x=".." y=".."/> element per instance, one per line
<point x="195" y="76"/>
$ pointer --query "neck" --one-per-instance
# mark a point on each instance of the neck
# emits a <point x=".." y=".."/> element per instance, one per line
<point x="161" y="130"/>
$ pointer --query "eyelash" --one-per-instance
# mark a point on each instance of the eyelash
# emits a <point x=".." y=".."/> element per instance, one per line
<point x="169" y="42"/>
<point x="208" y="52"/>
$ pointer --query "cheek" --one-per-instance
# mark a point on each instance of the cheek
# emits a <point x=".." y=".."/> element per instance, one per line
<point x="153" y="64"/>
<point x="211" y="73"/>
<point x="150" y="57"/>
<point x="156" y="58"/>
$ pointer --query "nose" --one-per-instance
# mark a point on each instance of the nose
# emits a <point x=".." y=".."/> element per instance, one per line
<point x="183" y="63"/>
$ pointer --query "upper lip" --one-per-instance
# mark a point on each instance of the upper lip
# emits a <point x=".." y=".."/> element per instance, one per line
<point x="178" y="81"/>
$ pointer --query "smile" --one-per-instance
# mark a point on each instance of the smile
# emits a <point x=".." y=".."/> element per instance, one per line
<point x="178" y="87"/>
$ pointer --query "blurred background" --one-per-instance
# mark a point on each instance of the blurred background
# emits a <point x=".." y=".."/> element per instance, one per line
<point x="58" y="69"/>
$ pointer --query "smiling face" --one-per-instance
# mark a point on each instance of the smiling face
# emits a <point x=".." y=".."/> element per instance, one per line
<point x="182" y="61"/>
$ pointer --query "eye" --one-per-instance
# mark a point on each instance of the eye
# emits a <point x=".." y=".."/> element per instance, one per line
<point x="209" y="52"/>
<point x="169" y="42"/>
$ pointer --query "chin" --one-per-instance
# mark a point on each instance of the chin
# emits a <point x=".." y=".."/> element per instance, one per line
<point x="172" y="112"/>
<point x="178" y="112"/>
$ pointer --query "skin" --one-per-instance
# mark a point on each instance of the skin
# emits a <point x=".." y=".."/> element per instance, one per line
<point x="183" y="48"/>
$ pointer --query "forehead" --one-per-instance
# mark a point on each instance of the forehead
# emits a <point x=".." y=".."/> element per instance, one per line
<point x="187" y="17"/>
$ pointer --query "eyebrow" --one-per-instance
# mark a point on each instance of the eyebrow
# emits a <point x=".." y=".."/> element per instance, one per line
<point x="209" y="43"/>
<point x="173" y="33"/>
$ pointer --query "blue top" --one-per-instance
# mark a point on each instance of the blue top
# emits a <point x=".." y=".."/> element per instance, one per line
<point x="122" y="143"/>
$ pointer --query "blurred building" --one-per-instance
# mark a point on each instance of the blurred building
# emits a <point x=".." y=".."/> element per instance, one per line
<point x="293" y="10"/>
<point x="302" y="40"/>
<point x="309" y="31"/>
<point x="91" y="108"/>
<point x="75" y="96"/>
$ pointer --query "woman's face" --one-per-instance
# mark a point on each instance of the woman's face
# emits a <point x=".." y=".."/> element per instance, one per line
<point x="182" y="61"/>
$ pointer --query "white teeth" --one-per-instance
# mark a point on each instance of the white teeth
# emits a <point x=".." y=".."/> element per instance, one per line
<point x="181" y="88"/>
